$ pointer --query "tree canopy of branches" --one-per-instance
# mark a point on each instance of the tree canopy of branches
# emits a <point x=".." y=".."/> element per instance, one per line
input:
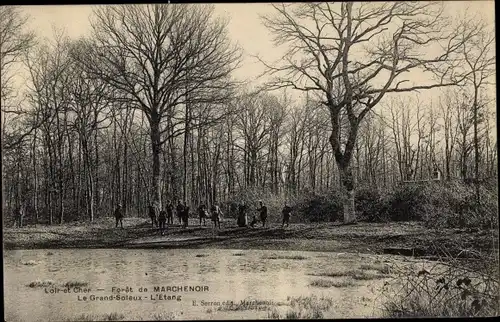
<point x="352" y="54"/>
<point x="14" y="41"/>
<point x="161" y="57"/>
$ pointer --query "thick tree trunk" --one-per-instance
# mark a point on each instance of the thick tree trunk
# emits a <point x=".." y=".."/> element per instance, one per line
<point x="155" y="144"/>
<point x="343" y="161"/>
<point x="89" y="184"/>
<point x="347" y="185"/>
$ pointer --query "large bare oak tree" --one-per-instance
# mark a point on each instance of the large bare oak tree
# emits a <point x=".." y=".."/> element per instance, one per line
<point x="352" y="54"/>
<point x="164" y="57"/>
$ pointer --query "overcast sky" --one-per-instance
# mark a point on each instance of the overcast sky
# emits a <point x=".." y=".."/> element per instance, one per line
<point x="245" y="26"/>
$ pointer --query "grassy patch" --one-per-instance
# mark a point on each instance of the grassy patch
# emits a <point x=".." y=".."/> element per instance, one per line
<point x="295" y="314"/>
<point x="96" y="317"/>
<point x="303" y="307"/>
<point x="291" y="257"/>
<point x="354" y="274"/>
<point x="311" y="302"/>
<point x="381" y="268"/>
<point x="332" y="283"/>
<point x="30" y="263"/>
<point x="163" y="316"/>
<point x="75" y="284"/>
<point x="39" y="283"/>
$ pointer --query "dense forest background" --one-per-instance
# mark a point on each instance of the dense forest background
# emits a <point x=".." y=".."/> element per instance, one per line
<point x="76" y="140"/>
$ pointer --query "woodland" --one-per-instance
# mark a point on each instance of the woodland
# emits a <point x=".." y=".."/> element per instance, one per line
<point x="147" y="109"/>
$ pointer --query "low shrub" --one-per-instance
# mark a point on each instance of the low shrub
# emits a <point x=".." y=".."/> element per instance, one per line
<point x="320" y="207"/>
<point x="369" y="204"/>
<point x="251" y="198"/>
<point x="441" y="291"/>
<point x="437" y="204"/>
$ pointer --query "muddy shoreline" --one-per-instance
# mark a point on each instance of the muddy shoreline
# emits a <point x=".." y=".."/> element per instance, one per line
<point x="410" y="239"/>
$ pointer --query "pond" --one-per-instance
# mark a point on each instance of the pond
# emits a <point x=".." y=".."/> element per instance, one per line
<point x="161" y="284"/>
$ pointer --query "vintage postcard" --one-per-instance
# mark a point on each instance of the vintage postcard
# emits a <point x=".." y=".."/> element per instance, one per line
<point x="249" y="161"/>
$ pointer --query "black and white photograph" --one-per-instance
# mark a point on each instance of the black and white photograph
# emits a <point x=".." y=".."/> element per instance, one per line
<point x="242" y="161"/>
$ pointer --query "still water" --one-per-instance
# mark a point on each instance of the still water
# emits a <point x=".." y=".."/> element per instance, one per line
<point x="163" y="284"/>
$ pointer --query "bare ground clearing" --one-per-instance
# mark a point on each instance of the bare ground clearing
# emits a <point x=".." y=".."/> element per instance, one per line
<point x="374" y="238"/>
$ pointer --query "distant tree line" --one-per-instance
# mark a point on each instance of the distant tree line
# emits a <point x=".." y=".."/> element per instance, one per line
<point x="146" y="109"/>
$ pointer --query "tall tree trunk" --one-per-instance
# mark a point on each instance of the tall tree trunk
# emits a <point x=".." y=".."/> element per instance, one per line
<point x="155" y="143"/>
<point x="35" y="178"/>
<point x="476" y="145"/>
<point x="185" y="155"/>
<point x="343" y="161"/>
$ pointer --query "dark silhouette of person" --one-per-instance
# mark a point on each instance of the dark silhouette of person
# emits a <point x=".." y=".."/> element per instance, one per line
<point x="170" y="213"/>
<point x="263" y="213"/>
<point x="19" y="213"/>
<point x="119" y="215"/>
<point x="179" y="211"/>
<point x="216" y="215"/>
<point x="162" y="220"/>
<point x="185" y="217"/>
<point x="242" y="216"/>
<point x="202" y="213"/>
<point x="287" y="210"/>
<point x="154" y="212"/>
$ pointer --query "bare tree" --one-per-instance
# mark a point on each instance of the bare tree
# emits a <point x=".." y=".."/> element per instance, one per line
<point x="353" y="54"/>
<point x="164" y="56"/>
<point x="14" y="42"/>
<point x="480" y="61"/>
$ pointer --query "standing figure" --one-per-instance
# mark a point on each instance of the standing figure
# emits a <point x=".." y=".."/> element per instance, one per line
<point x="154" y="212"/>
<point x="179" y="211"/>
<point x="202" y="213"/>
<point x="185" y="217"/>
<point x="242" y="216"/>
<point x="170" y="213"/>
<point x="287" y="210"/>
<point x="263" y="213"/>
<point x="19" y="213"/>
<point x="119" y="216"/>
<point x="162" y="219"/>
<point x="216" y="215"/>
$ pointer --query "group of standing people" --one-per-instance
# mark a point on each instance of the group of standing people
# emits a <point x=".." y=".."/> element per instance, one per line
<point x="166" y="217"/>
<point x="242" y="220"/>
<point x="162" y="218"/>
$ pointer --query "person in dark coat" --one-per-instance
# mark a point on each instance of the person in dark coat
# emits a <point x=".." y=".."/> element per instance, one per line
<point x="154" y="212"/>
<point x="185" y="216"/>
<point x="263" y="213"/>
<point x="287" y="210"/>
<point x="202" y="213"/>
<point x="119" y="215"/>
<point x="216" y="215"/>
<point x="179" y="211"/>
<point x="162" y="220"/>
<point x="242" y="216"/>
<point x="19" y="213"/>
<point x="170" y="213"/>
